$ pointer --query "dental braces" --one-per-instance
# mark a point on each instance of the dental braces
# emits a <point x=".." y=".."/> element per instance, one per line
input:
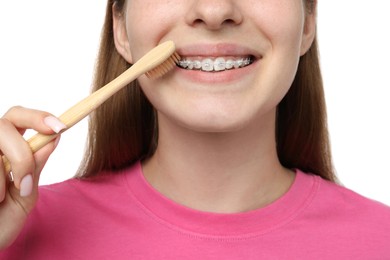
<point x="218" y="64"/>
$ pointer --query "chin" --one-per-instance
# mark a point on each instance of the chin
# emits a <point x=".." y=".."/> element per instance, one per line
<point x="214" y="124"/>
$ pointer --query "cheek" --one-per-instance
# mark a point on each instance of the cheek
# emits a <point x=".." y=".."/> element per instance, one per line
<point x="155" y="91"/>
<point x="148" y="22"/>
<point x="280" y="21"/>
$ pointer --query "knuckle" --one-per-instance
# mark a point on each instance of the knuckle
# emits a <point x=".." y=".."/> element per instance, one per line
<point x="4" y="123"/>
<point x="13" y="109"/>
<point x="23" y="157"/>
<point x="18" y="160"/>
<point x="22" y="163"/>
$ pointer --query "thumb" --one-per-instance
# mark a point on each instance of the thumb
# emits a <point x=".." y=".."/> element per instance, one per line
<point x="41" y="158"/>
<point x="43" y="155"/>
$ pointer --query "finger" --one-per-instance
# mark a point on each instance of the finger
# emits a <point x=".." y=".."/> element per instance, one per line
<point x="43" y="155"/>
<point x="27" y="203"/>
<point x="41" y="158"/>
<point x="17" y="151"/>
<point x="27" y="200"/>
<point x="2" y="182"/>
<point x="24" y="118"/>
<point x="41" y="121"/>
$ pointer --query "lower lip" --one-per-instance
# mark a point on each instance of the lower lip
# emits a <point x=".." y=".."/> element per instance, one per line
<point x="225" y="76"/>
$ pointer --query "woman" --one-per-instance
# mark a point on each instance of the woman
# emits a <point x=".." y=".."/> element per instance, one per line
<point x="206" y="162"/>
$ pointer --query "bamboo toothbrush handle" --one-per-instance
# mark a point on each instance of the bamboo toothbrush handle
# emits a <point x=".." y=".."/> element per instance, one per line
<point x="155" y="63"/>
<point x="80" y="110"/>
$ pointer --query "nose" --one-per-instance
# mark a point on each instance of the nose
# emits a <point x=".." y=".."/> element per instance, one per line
<point x="214" y="14"/>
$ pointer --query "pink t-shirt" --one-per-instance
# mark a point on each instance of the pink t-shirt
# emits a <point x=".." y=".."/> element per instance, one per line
<point x="120" y="216"/>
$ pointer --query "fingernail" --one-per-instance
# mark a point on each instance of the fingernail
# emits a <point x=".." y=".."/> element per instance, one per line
<point x="57" y="140"/>
<point x="26" y="186"/>
<point x="55" y="124"/>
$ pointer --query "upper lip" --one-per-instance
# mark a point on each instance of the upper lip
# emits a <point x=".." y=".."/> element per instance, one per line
<point x="216" y="50"/>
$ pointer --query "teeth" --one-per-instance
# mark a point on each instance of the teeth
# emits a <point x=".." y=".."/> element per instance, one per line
<point x="207" y="65"/>
<point x="229" y="64"/>
<point x="219" y="64"/>
<point x="197" y="64"/>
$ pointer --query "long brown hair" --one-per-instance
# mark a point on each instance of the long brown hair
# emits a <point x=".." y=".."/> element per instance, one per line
<point x="124" y="129"/>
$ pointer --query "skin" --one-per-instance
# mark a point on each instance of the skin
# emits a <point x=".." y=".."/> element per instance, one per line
<point x="216" y="130"/>
<point x="14" y="208"/>
<point x="216" y="148"/>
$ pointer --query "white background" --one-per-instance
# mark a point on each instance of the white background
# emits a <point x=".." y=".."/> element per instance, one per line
<point x="47" y="54"/>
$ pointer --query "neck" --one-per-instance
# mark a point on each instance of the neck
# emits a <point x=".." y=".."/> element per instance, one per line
<point x="218" y="172"/>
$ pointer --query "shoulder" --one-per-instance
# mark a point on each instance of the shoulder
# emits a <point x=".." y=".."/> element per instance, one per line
<point x="74" y="190"/>
<point x="76" y="210"/>
<point x="95" y="195"/>
<point x="101" y="187"/>
<point x="344" y="220"/>
<point x="337" y="202"/>
<point x="77" y="202"/>
<point x="344" y="197"/>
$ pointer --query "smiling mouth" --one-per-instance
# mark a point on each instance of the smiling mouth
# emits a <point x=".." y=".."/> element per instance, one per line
<point x="216" y="64"/>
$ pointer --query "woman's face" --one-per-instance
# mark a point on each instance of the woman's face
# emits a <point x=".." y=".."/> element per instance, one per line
<point x="263" y="38"/>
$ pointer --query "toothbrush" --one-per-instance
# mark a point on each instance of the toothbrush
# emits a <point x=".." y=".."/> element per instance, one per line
<point x="156" y="63"/>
